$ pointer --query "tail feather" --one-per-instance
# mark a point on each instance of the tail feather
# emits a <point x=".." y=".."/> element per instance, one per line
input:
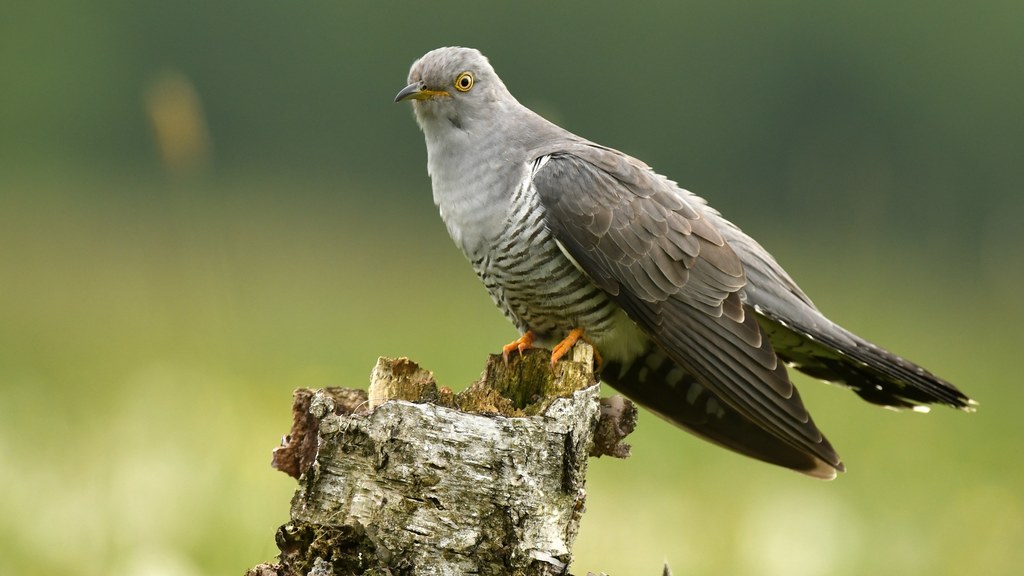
<point x="832" y="353"/>
<point x="665" y="388"/>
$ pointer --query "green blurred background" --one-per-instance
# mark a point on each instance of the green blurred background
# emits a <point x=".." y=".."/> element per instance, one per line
<point x="204" y="205"/>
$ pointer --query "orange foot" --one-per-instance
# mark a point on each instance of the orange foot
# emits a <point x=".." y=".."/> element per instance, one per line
<point x="563" y="347"/>
<point x="522" y="343"/>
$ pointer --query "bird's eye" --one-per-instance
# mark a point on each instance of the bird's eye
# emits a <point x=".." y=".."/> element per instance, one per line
<point x="464" y="82"/>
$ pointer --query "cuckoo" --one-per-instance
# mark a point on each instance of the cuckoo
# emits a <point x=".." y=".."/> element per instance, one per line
<point x="691" y="317"/>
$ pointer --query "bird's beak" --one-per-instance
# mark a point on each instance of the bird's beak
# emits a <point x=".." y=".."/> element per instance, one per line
<point x="418" y="91"/>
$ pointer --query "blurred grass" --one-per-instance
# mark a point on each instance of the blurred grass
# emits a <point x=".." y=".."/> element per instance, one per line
<point x="152" y="330"/>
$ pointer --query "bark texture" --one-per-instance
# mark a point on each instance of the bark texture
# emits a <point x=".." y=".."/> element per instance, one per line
<point x="412" y="479"/>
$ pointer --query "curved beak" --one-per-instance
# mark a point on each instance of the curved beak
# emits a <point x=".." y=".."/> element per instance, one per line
<point x="418" y="91"/>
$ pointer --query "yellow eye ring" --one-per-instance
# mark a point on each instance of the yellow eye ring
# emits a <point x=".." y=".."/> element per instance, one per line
<point x="464" y="83"/>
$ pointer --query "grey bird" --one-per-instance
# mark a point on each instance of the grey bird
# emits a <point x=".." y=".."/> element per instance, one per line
<point x="691" y="317"/>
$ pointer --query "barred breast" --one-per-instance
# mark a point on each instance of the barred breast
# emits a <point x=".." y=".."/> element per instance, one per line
<point x="540" y="289"/>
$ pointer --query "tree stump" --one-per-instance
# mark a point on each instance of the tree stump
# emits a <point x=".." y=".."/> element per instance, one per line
<point x="412" y="479"/>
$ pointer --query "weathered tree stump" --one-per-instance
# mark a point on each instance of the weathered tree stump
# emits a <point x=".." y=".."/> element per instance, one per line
<point x="412" y="479"/>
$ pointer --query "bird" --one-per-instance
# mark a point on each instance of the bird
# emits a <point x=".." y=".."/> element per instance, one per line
<point x="690" y="317"/>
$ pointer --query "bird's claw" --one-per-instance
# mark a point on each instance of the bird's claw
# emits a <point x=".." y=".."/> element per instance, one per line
<point x="563" y="347"/>
<point x="521" y="344"/>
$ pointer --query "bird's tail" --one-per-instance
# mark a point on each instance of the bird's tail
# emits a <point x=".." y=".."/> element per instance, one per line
<point x="662" y="386"/>
<point x="830" y="352"/>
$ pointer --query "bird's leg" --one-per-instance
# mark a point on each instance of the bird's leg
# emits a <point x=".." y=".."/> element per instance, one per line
<point x="565" y="345"/>
<point x="522" y="343"/>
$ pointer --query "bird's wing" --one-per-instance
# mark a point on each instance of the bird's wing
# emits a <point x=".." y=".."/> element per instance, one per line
<point x="813" y="344"/>
<point x="638" y="237"/>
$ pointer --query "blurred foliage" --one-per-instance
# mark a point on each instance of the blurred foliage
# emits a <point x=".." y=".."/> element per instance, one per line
<point x="206" y="205"/>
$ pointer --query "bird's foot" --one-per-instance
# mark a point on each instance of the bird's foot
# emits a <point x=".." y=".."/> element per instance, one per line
<point x="563" y="347"/>
<point x="521" y="344"/>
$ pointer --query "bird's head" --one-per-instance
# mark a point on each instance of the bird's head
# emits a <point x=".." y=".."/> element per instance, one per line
<point x="453" y="83"/>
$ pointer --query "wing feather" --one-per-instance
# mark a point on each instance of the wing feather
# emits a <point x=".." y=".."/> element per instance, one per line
<point x="646" y="243"/>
